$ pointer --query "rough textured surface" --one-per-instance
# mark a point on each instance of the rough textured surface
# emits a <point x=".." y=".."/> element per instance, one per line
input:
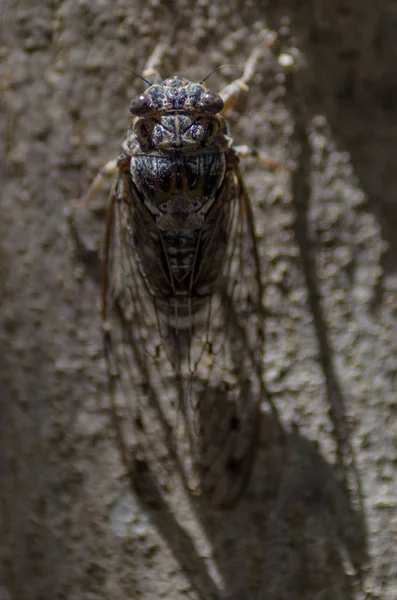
<point x="320" y="517"/>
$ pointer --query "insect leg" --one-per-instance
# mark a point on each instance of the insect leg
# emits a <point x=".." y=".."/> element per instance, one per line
<point x="87" y="252"/>
<point x="244" y="151"/>
<point x="151" y="71"/>
<point x="107" y="250"/>
<point x="107" y="171"/>
<point x="232" y="93"/>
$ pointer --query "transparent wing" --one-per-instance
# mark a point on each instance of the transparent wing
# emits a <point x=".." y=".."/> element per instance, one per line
<point x="229" y="411"/>
<point x="187" y="399"/>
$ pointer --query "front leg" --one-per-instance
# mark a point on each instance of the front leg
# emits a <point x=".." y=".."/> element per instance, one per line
<point x="151" y="73"/>
<point x="232" y="93"/>
<point x="244" y="151"/>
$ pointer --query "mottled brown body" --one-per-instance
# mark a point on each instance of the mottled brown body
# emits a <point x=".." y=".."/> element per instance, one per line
<point x="182" y="270"/>
<point x="179" y="166"/>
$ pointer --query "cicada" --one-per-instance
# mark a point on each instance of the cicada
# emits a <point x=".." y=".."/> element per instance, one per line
<point x="182" y="299"/>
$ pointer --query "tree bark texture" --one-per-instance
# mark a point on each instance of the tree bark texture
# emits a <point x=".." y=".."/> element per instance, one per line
<point x="319" y="519"/>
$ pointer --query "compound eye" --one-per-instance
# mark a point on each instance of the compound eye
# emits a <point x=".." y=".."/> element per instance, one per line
<point x="211" y="102"/>
<point x="140" y="105"/>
